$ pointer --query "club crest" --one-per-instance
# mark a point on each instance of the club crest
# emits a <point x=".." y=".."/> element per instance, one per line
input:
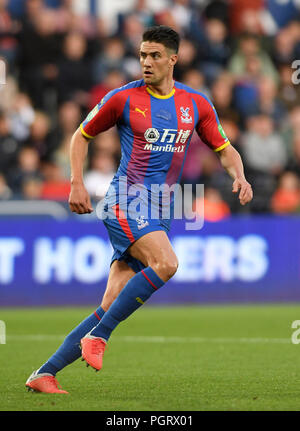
<point x="141" y="222"/>
<point x="185" y="116"/>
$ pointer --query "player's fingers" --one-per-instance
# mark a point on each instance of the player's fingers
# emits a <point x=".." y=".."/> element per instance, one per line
<point x="89" y="205"/>
<point x="246" y="195"/>
<point x="243" y="192"/>
<point x="78" y="207"/>
<point x="235" y="187"/>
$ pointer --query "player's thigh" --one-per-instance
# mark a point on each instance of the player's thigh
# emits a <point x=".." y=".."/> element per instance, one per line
<point x="154" y="249"/>
<point x="120" y="273"/>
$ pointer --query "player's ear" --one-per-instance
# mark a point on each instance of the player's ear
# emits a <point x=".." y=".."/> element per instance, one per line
<point x="173" y="59"/>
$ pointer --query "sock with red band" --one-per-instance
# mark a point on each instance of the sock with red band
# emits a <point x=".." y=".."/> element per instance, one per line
<point x="137" y="290"/>
<point x="70" y="350"/>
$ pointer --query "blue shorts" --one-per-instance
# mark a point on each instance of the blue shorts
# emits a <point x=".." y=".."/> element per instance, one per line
<point x="125" y="231"/>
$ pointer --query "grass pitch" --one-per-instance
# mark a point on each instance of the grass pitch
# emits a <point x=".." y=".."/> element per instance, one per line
<point x="161" y="358"/>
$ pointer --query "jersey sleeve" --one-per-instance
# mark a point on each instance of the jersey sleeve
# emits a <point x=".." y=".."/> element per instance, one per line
<point x="104" y="115"/>
<point x="209" y="127"/>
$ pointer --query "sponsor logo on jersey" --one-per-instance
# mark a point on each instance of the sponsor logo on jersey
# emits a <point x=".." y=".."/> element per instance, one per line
<point x="93" y="113"/>
<point x="139" y="300"/>
<point x="221" y="130"/>
<point x="143" y="112"/>
<point x="168" y="137"/>
<point x="165" y="115"/>
<point x="185" y="116"/>
<point x="166" y="148"/>
<point x="151" y="135"/>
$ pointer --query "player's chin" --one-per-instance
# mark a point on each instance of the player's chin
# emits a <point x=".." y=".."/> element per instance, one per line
<point x="148" y="78"/>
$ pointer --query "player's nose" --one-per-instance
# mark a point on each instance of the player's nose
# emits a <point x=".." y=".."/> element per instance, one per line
<point x="147" y="62"/>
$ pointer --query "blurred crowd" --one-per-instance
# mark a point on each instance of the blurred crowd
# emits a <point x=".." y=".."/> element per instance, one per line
<point x="63" y="56"/>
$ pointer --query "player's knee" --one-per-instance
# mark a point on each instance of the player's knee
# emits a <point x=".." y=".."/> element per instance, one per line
<point x="166" y="269"/>
<point x="173" y="266"/>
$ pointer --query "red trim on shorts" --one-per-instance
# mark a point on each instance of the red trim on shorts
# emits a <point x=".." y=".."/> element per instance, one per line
<point x="148" y="279"/>
<point x="123" y="222"/>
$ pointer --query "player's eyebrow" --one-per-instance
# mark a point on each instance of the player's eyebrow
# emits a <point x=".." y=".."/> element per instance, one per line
<point x="150" y="53"/>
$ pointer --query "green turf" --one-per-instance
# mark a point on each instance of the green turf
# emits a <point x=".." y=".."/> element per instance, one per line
<point x="222" y="358"/>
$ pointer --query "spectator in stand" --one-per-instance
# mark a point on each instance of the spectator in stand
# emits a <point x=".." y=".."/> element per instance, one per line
<point x="108" y="142"/>
<point x="21" y="115"/>
<point x="132" y="29"/>
<point x="246" y="90"/>
<point x="215" y="208"/>
<point x="250" y="47"/>
<point x="109" y="13"/>
<point x="265" y="159"/>
<point x="245" y="15"/>
<point x="8" y="92"/>
<point x="55" y="186"/>
<point x="290" y="132"/>
<point x="263" y="147"/>
<point x="111" y="57"/>
<point x="9" y="146"/>
<point x="187" y="59"/>
<point x="284" y="48"/>
<point x="182" y="14"/>
<point x="74" y="77"/>
<point x="31" y="188"/>
<point x="39" y="49"/>
<point x="113" y="79"/>
<point x="288" y="92"/>
<point x="9" y="29"/>
<point x="5" y="191"/>
<point x="294" y="160"/>
<point x="41" y="136"/>
<point x="215" y="50"/>
<point x="294" y="118"/>
<point x="218" y="178"/>
<point x="195" y="79"/>
<point x="278" y="14"/>
<point x="286" y="199"/>
<point x="268" y="101"/>
<point x="68" y="119"/>
<point x="222" y="96"/>
<point x="28" y="166"/>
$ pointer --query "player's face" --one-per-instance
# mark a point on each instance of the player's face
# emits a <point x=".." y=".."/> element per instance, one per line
<point x="157" y="62"/>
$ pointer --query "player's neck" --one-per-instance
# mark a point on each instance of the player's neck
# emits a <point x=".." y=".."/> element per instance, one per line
<point x="163" y="89"/>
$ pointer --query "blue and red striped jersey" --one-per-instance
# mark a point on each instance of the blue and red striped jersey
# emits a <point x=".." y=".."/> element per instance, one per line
<point x="155" y="131"/>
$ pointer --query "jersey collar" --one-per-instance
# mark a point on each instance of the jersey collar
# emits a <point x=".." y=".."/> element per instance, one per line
<point x="159" y="96"/>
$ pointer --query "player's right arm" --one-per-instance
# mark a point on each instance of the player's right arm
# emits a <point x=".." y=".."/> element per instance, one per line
<point x="101" y="118"/>
<point x="79" y="200"/>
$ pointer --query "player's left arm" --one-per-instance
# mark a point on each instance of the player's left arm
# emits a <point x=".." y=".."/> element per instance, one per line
<point x="212" y="134"/>
<point x="232" y="163"/>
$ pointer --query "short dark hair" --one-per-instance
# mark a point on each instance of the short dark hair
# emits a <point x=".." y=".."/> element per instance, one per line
<point x="164" y="35"/>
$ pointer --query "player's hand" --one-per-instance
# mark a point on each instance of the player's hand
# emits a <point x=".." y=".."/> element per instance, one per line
<point x="79" y="200"/>
<point x="246" y="193"/>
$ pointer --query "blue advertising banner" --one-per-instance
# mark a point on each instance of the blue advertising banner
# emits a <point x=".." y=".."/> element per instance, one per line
<point x="246" y="259"/>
